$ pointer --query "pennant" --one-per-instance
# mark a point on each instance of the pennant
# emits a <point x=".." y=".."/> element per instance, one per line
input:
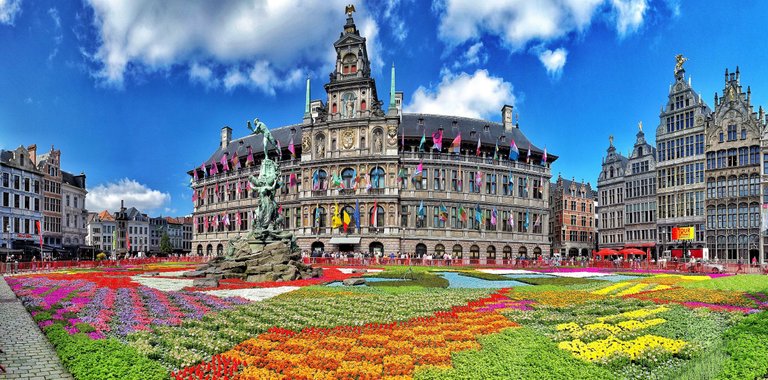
<point x="292" y="148"/>
<point x="443" y="213"/>
<point x="375" y="214"/>
<point x="421" y="212"/>
<point x="463" y="214"/>
<point x="423" y="140"/>
<point x="235" y="161"/>
<point x="224" y="163"/>
<point x="544" y="157"/>
<point x="437" y="140"/>
<point x="514" y="153"/>
<point x="346" y="220"/>
<point x="357" y="213"/>
<point x="493" y="217"/>
<point x="477" y="151"/>
<point x="456" y="144"/>
<point x="249" y="160"/>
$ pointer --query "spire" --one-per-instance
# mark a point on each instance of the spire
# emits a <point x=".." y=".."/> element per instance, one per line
<point x="306" y="98"/>
<point x="392" y="88"/>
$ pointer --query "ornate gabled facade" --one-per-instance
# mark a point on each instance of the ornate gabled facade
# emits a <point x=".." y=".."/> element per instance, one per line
<point x="733" y="133"/>
<point x="610" y="189"/>
<point x="352" y="156"/>
<point x="573" y="227"/>
<point x="680" y="163"/>
<point x="640" y="196"/>
<point x="20" y="199"/>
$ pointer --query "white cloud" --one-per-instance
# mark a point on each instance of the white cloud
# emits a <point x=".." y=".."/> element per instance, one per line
<point x="58" y="36"/>
<point x="519" y="24"/>
<point x="108" y="196"/>
<point x="146" y="36"/>
<point x="393" y="15"/>
<point x="202" y="74"/>
<point x="9" y="9"/>
<point x="476" y="95"/>
<point x="553" y="61"/>
<point x="474" y="55"/>
<point x="629" y="15"/>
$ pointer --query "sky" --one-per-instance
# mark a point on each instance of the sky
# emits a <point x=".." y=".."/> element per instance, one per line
<point x="135" y="92"/>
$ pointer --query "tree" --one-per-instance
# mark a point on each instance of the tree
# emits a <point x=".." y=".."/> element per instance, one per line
<point x="165" y="244"/>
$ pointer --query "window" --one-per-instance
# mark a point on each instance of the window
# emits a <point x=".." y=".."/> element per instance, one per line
<point x="456" y="181"/>
<point x="377" y="220"/>
<point x="731" y="132"/>
<point x="439" y="179"/>
<point x="349" y="64"/>
<point x="348" y="177"/>
<point x="319" y="217"/>
<point x="320" y="180"/>
<point x="404" y="214"/>
<point x="743" y="133"/>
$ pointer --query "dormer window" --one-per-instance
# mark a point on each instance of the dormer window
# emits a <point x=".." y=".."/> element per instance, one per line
<point x="349" y="64"/>
<point x="486" y="128"/>
<point x="472" y="133"/>
<point x="503" y="138"/>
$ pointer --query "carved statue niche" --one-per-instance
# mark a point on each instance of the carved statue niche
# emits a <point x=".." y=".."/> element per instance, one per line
<point x="348" y="138"/>
<point x="320" y="145"/>
<point x="378" y="146"/>
<point x="392" y="134"/>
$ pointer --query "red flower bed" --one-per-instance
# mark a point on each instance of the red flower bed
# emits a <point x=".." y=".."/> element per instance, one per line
<point x="330" y="274"/>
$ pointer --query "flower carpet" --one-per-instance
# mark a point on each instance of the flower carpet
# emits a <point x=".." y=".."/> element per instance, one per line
<point x="148" y="323"/>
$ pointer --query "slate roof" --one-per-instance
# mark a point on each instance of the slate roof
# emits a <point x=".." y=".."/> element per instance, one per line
<point x="74" y="180"/>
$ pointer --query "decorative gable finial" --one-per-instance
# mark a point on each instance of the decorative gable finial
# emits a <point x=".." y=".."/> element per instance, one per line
<point x="680" y="60"/>
<point x="349" y="9"/>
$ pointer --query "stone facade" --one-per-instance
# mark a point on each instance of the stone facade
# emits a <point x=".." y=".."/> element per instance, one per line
<point x="50" y="165"/>
<point x="74" y="216"/>
<point x="640" y="196"/>
<point x="610" y="190"/>
<point x="573" y="228"/>
<point x="101" y="231"/>
<point x="20" y="199"/>
<point x="350" y="155"/>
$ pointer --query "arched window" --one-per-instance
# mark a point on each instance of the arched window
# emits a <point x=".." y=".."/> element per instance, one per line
<point x="319" y="180"/>
<point x="219" y="250"/>
<point x="351" y="212"/>
<point x="318" y="247"/>
<point x="439" y="250"/>
<point x="507" y="252"/>
<point x="421" y="249"/>
<point x="363" y="105"/>
<point x="490" y="252"/>
<point x="75" y="241"/>
<point x="362" y="142"/>
<point x="376" y="248"/>
<point x="536" y="251"/>
<point x="522" y="251"/>
<point x="457" y="251"/>
<point x="474" y="252"/>
<point x="209" y="250"/>
<point x="348" y="177"/>
<point x="611" y="172"/>
<point x="66" y="241"/>
<point x="319" y="217"/>
<point x="377" y="178"/>
<point x="349" y="64"/>
<point x="199" y="249"/>
<point x="334" y="109"/>
<point x="376" y="220"/>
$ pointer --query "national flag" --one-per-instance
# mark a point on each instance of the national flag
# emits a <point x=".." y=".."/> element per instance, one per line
<point x="493" y="217"/>
<point x="279" y="149"/>
<point x="514" y="153"/>
<point x="40" y="232"/>
<point x="194" y="196"/>
<point x="205" y="222"/>
<point x="317" y="215"/>
<point x="443" y="213"/>
<point x="235" y="161"/>
<point x="292" y="181"/>
<point x="477" y="151"/>
<point x="537" y="220"/>
<point x="216" y="220"/>
<point x="528" y="158"/>
<point x="456" y="144"/>
<point x="202" y="167"/>
<point x="194" y="224"/>
<point x="511" y="220"/>
<point x="437" y="140"/>
<point x="496" y="151"/>
<point x="420" y="212"/>
<point x="224" y="163"/>
<point x="238" y="219"/>
<point x="346" y="220"/>
<point x="249" y="160"/>
<point x="226" y="219"/>
<point x="375" y="214"/>
<point x="238" y="187"/>
<point x="423" y="140"/>
<point x="195" y="176"/>
<point x="214" y="168"/>
<point x="402" y="174"/>
<point x="463" y="213"/>
<point x="316" y="180"/>
<point x="419" y="173"/>
<point x="368" y="184"/>
<point x="525" y="221"/>
<point x="478" y="214"/>
<point x="525" y="186"/>
<point x="205" y="191"/>
<point x="544" y="157"/>
<point x="479" y="178"/>
<point x="357" y="213"/>
<point x="292" y="148"/>
<point x="337" y="182"/>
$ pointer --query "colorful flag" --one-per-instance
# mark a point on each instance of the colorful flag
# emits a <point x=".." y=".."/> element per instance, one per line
<point x="528" y="158"/>
<point x="214" y="168"/>
<point x="346" y="220"/>
<point x="421" y="212"/>
<point x="195" y="175"/>
<point x="292" y="181"/>
<point x="537" y="220"/>
<point x="479" y="178"/>
<point x="238" y="219"/>
<point x="375" y="214"/>
<point x="443" y="213"/>
<point x="463" y="213"/>
<point x="402" y="174"/>
<point x="456" y="144"/>
<point x="224" y="163"/>
<point x="249" y="159"/>
<point x="514" y="153"/>
<point x="511" y="220"/>
<point x="279" y="149"/>
<point x="437" y="140"/>
<point x="493" y="217"/>
<point x="423" y="140"/>
<point x="317" y="215"/>
<point x="336" y="218"/>
<point x="205" y="222"/>
<point x="194" y="196"/>
<point x="525" y="221"/>
<point x="478" y="214"/>
<point x="368" y="184"/>
<point x="226" y="219"/>
<point x="357" y="213"/>
<point x="40" y="232"/>
<point x="477" y="151"/>
<point x="316" y="180"/>
<point x="292" y="148"/>
<point x="496" y="151"/>
<point x="419" y="173"/>
<point x="235" y="161"/>
<point x="216" y="220"/>
<point x="202" y="167"/>
<point x="544" y="157"/>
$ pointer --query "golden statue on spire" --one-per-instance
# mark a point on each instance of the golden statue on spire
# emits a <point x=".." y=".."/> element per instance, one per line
<point x="680" y="60"/>
<point x="640" y="125"/>
<point x="349" y="10"/>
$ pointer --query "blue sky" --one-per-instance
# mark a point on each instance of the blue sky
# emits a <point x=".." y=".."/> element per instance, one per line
<point x="135" y="92"/>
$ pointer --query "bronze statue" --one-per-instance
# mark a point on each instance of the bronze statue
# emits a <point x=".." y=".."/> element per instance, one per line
<point x="261" y="128"/>
<point x="680" y="60"/>
<point x="266" y="185"/>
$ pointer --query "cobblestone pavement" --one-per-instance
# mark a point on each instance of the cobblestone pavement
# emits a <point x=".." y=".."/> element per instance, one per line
<point x="28" y="354"/>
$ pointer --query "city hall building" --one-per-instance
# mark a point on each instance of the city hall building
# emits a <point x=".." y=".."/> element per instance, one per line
<point x="359" y="177"/>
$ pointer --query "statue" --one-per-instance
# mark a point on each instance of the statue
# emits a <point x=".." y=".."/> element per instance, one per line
<point x="266" y="186"/>
<point x="731" y="94"/>
<point x="349" y="10"/>
<point x="377" y="144"/>
<point x="640" y="125"/>
<point x="261" y="128"/>
<point x="610" y="140"/>
<point x="680" y="60"/>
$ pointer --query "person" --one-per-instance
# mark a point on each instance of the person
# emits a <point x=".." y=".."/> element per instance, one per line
<point x="8" y="261"/>
<point x="15" y="264"/>
<point x="754" y="261"/>
<point x="740" y="265"/>
<point x="34" y="263"/>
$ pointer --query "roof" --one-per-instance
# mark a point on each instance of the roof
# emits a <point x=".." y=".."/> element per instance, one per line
<point x="409" y="124"/>
<point x="73" y="180"/>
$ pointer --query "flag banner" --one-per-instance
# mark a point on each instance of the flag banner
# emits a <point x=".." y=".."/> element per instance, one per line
<point x="316" y="180"/>
<point x="511" y="220"/>
<point x="544" y="157"/>
<point x="226" y="219"/>
<point x="205" y="222"/>
<point x="423" y="140"/>
<point x="402" y="144"/>
<point x="357" y="213"/>
<point x="514" y="153"/>
<point x="437" y="140"/>
<point x="525" y="221"/>
<point x="479" y="178"/>
<point x="235" y="161"/>
<point x="40" y="232"/>
<point x="238" y="219"/>
<point x="375" y="214"/>
<point x="537" y="221"/>
<point x="368" y="184"/>
<point x="205" y="172"/>
<point x="493" y="217"/>
<point x="421" y="212"/>
<point x="528" y="158"/>
<point x="317" y="215"/>
<point x="478" y="214"/>
<point x="249" y="160"/>
<point x="127" y="241"/>
<point x="114" y="240"/>
<point x="456" y="144"/>
<point x="194" y="196"/>
<point x="443" y="213"/>
<point x="292" y="148"/>
<point x="419" y="173"/>
<point x="764" y="214"/>
<point x="402" y="175"/>
<point x="195" y="175"/>
<point x="224" y="163"/>
<point x="214" y="168"/>
<point x="346" y="220"/>
<point x="477" y="151"/>
<point x="463" y="213"/>
<point x="279" y="149"/>
<point x="496" y="151"/>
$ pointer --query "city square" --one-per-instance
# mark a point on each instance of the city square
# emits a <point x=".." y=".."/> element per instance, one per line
<point x="439" y="224"/>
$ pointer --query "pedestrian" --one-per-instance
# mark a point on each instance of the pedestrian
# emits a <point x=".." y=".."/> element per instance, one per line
<point x="34" y="263"/>
<point x="15" y="264"/>
<point x="740" y="266"/>
<point x="8" y="261"/>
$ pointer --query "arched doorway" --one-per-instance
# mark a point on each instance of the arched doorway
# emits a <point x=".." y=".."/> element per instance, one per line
<point x="439" y="251"/>
<point x="507" y="252"/>
<point x="474" y="252"/>
<point x="199" y="249"/>
<point x="318" y="247"/>
<point x="421" y="250"/>
<point x="209" y="250"/>
<point x="573" y="252"/>
<point x="376" y="248"/>
<point x="585" y="252"/>
<point x="490" y="252"/>
<point x="536" y="252"/>
<point x="219" y="250"/>
<point x="522" y="252"/>
<point x="457" y="251"/>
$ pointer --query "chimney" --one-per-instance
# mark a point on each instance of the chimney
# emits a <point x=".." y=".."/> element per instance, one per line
<point x="32" y="149"/>
<point x="226" y="137"/>
<point x="506" y="117"/>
